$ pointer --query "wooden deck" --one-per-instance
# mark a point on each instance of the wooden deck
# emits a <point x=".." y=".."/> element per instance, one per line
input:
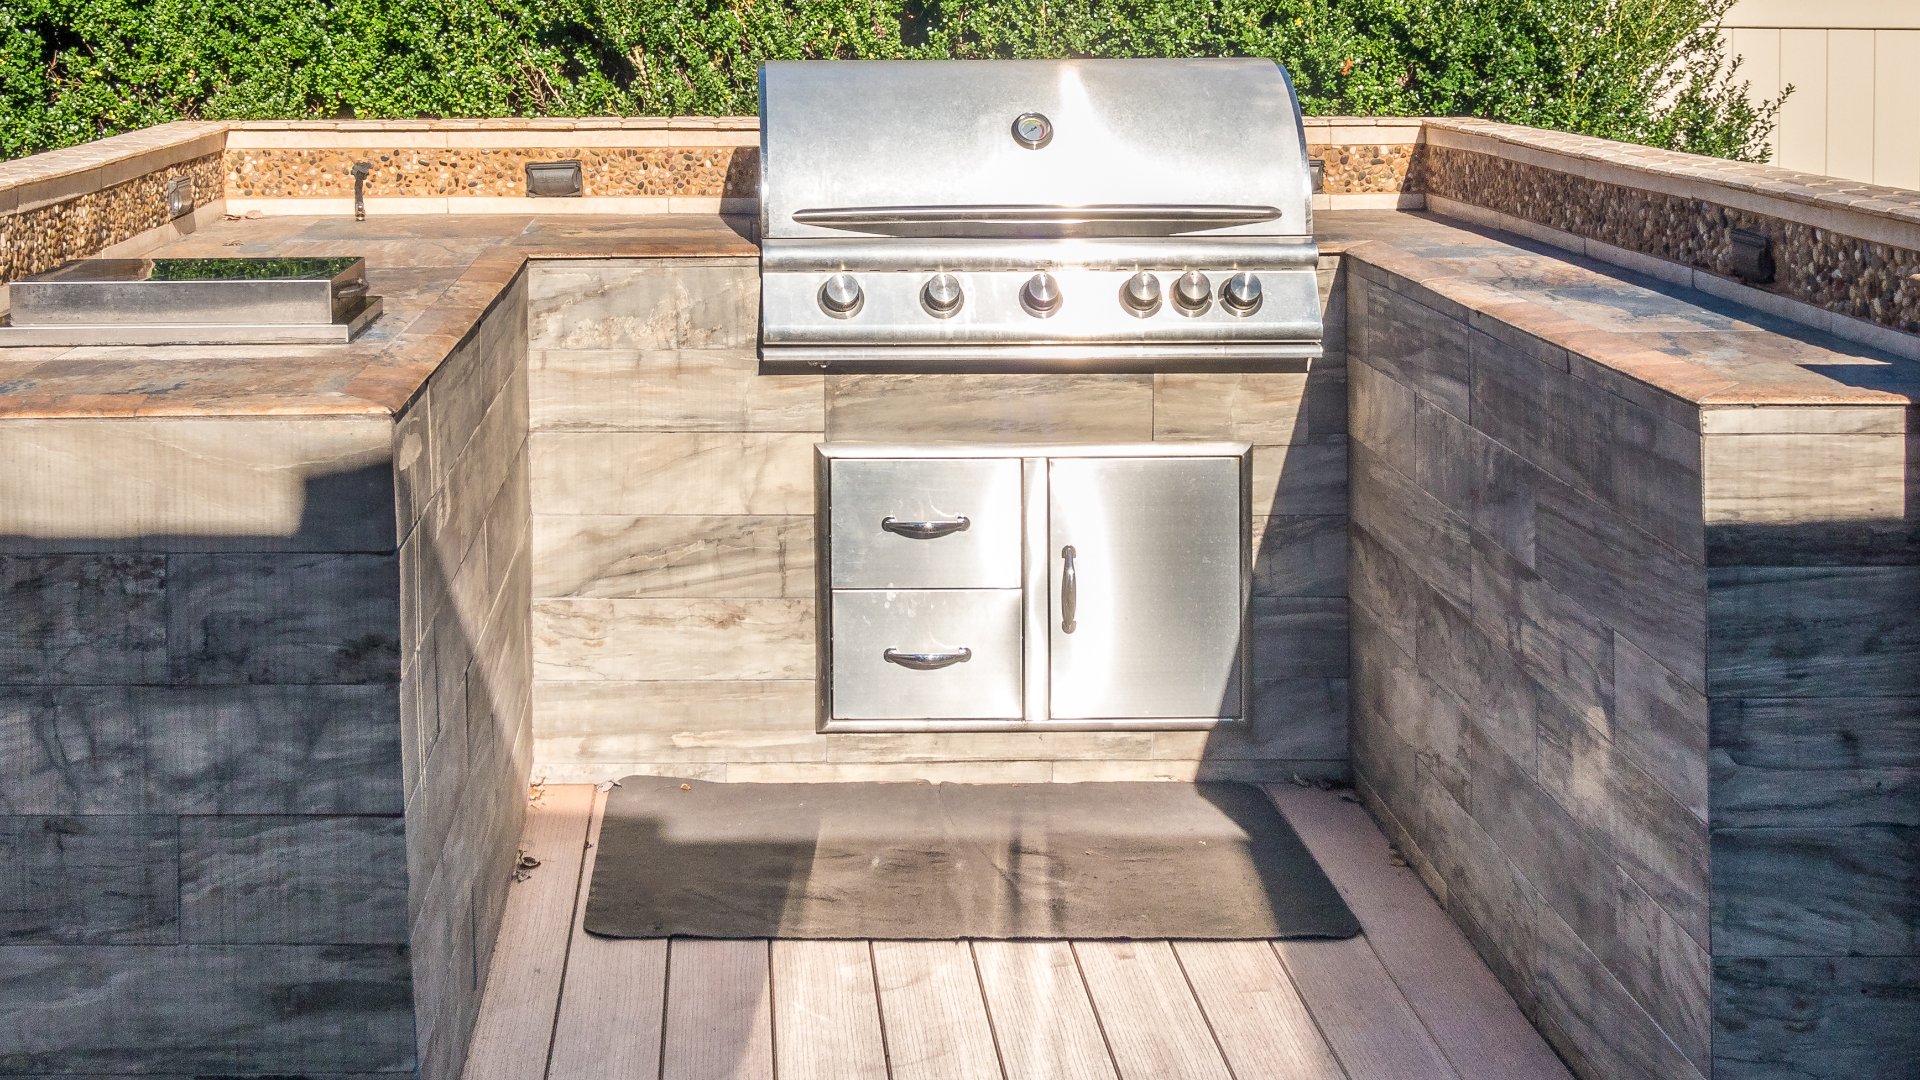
<point x="1407" y="1000"/>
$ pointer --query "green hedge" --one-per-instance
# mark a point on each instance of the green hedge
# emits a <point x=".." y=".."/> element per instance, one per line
<point x="72" y="70"/>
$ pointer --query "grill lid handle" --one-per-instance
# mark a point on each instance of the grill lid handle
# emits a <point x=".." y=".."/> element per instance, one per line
<point x="1022" y="220"/>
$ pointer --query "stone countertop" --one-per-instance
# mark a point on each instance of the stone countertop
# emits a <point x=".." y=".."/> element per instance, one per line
<point x="438" y="275"/>
<point x="1697" y="350"/>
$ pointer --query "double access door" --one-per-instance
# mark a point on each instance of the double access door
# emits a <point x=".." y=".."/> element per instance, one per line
<point x="988" y="588"/>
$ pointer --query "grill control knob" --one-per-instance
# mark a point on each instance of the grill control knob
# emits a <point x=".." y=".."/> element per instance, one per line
<point x="1040" y="295"/>
<point x="941" y="296"/>
<point x="1141" y="294"/>
<point x="1241" y="294"/>
<point x="841" y="296"/>
<point x="1192" y="293"/>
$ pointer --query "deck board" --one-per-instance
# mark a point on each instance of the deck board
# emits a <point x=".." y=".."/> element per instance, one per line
<point x="1470" y="1015"/>
<point x="1263" y="1027"/>
<point x="1154" y="1026"/>
<point x="1409" y="999"/>
<point x="719" y="1012"/>
<point x="613" y="1002"/>
<point x="826" y="1014"/>
<point x="1372" y="1029"/>
<point x="930" y="1005"/>
<point x="515" y="1026"/>
<point x="1042" y="1018"/>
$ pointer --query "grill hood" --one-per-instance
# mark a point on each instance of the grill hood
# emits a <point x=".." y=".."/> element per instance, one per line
<point x="877" y="177"/>
<point x="1126" y="133"/>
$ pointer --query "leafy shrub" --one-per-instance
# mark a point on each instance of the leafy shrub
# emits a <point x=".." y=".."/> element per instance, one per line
<point x="1649" y="71"/>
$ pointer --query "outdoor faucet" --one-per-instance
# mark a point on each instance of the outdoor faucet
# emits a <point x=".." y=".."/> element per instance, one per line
<point x="360" y="171"/>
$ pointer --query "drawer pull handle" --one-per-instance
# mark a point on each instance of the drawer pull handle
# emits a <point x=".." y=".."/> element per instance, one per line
<point x="924" y="530"/>
<point x="926" y="661"/>
<point x="1069" y="591"/>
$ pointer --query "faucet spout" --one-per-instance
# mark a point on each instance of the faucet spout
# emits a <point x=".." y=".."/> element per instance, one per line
<point x="360" y="170"/>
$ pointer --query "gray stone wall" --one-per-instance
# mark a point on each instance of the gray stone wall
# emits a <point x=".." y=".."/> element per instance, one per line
<point x="1530" y="719"/>
<point x="460" y="453"/>
<point x="673" y="539"/>
<point x="200" y="768"/>
<point x="1813" y="530"/>
<point x="264" y="734"/>
<point x="1637" y="691"/>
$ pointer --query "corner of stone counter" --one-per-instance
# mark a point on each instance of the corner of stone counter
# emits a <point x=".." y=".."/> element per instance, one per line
<point x="1635" y="642"/>
<point x="265" y="652"/>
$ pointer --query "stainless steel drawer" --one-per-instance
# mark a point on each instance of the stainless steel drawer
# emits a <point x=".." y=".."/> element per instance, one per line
<point x="924" y="523"/>
<point x="913" y="654"/>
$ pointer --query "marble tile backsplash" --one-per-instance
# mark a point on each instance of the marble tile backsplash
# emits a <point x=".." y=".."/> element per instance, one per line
<point x="1860" y="278"/>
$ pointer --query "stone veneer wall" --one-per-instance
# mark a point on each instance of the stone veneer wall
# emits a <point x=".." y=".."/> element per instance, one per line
<point x="642" y="165"/>
<point x="1636" y="688"/>
<point x="1530" y="722"/>
<point x="262" y="757"/>
<point x="92" y="198"/>
<point x="1843" y="247"/>
<point x="109" y="197"/>
<point x="1813" y="677"/>
<point x="673" y="539"/>
<point x="200" y="765"/>
<point x="465" y="658"/>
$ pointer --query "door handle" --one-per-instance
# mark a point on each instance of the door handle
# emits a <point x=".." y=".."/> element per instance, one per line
<point x="1069" y="590"/>
<point x="927" y="661"/>
<point x="924" y="530"/>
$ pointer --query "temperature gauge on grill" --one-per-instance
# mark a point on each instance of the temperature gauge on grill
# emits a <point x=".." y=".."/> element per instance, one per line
<point x="1032" y="130"/>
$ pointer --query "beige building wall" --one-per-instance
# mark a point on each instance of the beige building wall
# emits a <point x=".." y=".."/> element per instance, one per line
<point x="1855" y="69"/>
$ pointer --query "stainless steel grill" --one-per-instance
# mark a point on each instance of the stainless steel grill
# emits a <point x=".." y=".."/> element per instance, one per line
<point x="1032" y="215"/>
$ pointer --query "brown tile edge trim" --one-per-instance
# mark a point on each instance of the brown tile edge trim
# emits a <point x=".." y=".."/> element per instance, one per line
<point x="1669" y="386"/>
<point x="1840" y="325"/>
<point x="391" y="381"/>
<point x="60" y="175"/>
<point x="1742" y="185"/>
<point x="46" y="235"/>
<point x="63" y="174"/>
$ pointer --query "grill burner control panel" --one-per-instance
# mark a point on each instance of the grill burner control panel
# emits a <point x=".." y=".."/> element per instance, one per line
<point x="943" y="295"/>
<point x="1167" y="309"/>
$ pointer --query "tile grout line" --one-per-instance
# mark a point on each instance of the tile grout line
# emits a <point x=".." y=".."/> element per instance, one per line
<point x="1098" y="1021"/>
<point x="666" y="1002"/>
<point x="986" y="1007"/>
<point x="1187" y="980"/>
<point x="566" y="955"/>
<point x="879" y="1009"/>
<point x="1367" y="937"/>
<point x="1273" y="946"/>
<point x="773" y="1026"/>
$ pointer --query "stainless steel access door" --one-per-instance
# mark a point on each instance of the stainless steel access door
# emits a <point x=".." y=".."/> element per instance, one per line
<point x="1147" y="588"/>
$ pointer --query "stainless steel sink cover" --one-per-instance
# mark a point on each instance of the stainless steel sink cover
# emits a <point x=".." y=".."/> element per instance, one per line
<point x="187" y="301"/>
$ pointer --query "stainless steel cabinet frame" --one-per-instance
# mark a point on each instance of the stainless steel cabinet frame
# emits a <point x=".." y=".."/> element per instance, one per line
<point x="1119" y="573"/>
